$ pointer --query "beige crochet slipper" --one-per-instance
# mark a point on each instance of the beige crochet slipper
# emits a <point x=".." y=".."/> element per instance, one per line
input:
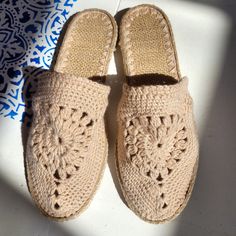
<point x="157" y="146"/>
<point x="67" y="144"/>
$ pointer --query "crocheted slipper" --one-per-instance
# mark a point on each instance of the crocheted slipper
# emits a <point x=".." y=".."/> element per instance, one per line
<point x="157" y="147"/>
<point x="67" y="145"/>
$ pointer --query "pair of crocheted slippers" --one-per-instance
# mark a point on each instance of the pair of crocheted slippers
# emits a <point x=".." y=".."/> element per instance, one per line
<point x="157" y="147"/>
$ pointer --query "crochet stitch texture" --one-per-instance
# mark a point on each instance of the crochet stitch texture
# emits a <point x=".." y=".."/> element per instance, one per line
<point x="157" y="148"/>
<point x="67" y="144"/>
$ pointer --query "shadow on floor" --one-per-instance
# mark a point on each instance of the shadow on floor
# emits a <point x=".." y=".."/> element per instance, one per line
<point x="19" y="217"/>
<point x="211" y="210"/>
<point x="115" y="81"/>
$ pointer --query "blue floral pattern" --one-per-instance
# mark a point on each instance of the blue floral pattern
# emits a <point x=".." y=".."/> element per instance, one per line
<point x="29" y="30"/>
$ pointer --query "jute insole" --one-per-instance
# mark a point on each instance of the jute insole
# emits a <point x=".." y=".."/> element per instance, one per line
<point x="88" y="44"/>
<point x="147" y="43"/>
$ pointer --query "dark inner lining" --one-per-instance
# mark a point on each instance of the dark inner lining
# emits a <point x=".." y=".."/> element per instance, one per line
<point x="150" y="79"/>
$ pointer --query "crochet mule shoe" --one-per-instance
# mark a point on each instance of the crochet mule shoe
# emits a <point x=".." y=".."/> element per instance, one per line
<point x="157" y="146"/>
<point x="67" y="145"/>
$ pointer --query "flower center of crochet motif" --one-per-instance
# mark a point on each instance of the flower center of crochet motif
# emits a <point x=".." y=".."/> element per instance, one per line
<point x="155" y="144"/>
<point x="62" y="145"/>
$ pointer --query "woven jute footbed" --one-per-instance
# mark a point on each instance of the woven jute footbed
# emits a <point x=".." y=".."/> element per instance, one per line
<point x="157" y="145"/>
<point x="67" y="145"/>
